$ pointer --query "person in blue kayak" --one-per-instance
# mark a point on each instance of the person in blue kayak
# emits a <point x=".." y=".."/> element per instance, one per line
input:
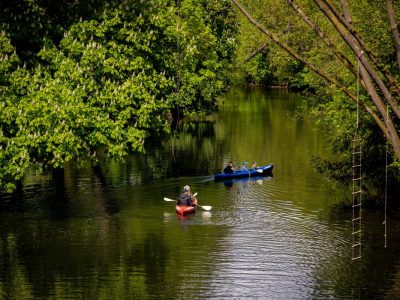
<point x="244" y="167"/>
<point x="186" y="198"/>
<point x="229" y="169"/>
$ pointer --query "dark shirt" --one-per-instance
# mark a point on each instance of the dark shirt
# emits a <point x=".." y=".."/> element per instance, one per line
<point x="185" y="200"/>
<point x="228" y="170"/>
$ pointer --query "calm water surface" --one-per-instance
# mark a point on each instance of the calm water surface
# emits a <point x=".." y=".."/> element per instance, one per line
<point x="106" y="233"/>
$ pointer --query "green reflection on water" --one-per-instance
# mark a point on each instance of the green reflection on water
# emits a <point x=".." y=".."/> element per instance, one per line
<point x="101" y="233"/>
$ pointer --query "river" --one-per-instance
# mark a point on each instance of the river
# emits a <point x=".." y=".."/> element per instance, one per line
<point x="106" y="233"/>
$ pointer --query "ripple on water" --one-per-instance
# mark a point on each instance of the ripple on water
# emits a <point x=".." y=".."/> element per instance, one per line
<point x="272" y="247"/>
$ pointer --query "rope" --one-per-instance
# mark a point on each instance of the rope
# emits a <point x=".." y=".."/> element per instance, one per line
<point x="357" y="190"/>
<point x="358" y="94"/>
<point x="358" y="90"/>
<point x="178" y="83"/>
<point x="386" y="176"/>
<point x="178" y="58"/>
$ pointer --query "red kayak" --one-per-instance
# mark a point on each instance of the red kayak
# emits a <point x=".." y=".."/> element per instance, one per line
<point x="185" y="210"/>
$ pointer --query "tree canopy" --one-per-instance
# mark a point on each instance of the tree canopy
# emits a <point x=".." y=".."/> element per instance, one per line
<point x="82" y="79"/>
<point x="328" y="46"/>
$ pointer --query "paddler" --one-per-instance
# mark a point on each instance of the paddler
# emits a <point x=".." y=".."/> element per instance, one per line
<point x="186" y="198"/>
<point x="229" y="169"/>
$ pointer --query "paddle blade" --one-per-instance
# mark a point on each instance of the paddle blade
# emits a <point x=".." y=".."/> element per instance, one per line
<point x="206" y="207"/>
<point x="167" y="199"/>
<point x="259" y="170"/>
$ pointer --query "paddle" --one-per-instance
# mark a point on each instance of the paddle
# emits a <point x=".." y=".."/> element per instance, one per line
<point x="167" y="199"/>
<point x="259" y="170"/>
<point x="205" y="207"/>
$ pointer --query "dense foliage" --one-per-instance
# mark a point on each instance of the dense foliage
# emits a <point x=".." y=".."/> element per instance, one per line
<point x="260" y="61"/>
<point x="333" y="108"/>
<point x="80" y="79"/>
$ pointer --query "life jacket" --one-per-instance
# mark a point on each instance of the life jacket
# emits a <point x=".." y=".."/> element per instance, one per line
<point x="184" y="200"/>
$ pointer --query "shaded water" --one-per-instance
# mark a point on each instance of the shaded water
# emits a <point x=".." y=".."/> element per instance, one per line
<point x="107" y="233"/>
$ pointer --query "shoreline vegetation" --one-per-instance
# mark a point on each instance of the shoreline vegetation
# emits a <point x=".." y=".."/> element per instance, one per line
<point x="268" y="86"/>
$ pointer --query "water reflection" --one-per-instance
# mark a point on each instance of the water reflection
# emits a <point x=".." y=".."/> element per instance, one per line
<point x="245" y="181"/>
<point x="106" y="232"/>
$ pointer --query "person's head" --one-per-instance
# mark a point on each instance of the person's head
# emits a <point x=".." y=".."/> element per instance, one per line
<point x="186" y="188"/>
<point x="245" y="163"/>
<point x="230" y="163"/>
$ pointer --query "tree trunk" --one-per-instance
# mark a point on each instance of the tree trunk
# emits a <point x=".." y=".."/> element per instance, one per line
<point x="346" y="12"/>
<point x="366" y="70"/>
<point x="292" y="53"/>
<point x="324" y="38"/>
<point x="391" y="130"/>
<point x="366" y="82"/>
<point x="368" y="53"/>
<point x="393" y="26"/>
<point x="391" y="133"/>
<point x="351" y="41"/>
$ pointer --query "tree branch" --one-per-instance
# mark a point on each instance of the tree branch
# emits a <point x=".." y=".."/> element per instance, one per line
<point x="261" y="48"/>
<point x="356" y="48"/>
<point x="346" y="12"/>
<point x="391" y="134"/>
<point x="393" y="26"/>
<point x="359" y="39"/>
<point x="255" y="52"/>
<point x="313" y="68"/>
<point x="324" y="38"/>
<point x="366" y="82"/>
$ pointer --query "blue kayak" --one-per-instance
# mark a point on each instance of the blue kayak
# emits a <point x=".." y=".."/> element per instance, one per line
<point x="229" y="182"/>
<point x="264" y="170"/>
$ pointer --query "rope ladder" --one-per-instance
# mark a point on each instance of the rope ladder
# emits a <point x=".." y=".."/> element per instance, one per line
<point x="357" y="181"/>
<point x="357" y="198"/>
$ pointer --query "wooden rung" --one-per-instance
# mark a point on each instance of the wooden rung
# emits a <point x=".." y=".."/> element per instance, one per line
<point x="357" y="152"/>
<point x="356" y="205"/>
<point x="356" y="219"/>
<point x="356" y="232"/>
<point x="355" y="258"/>
<point x="356" y="166"/>
<point x="355" y="179"/>
<point x="356" y="245"/>
<point x="357" y="192"/>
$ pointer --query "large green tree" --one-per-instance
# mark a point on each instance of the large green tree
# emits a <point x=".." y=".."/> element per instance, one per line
<point x="109" y="82"/>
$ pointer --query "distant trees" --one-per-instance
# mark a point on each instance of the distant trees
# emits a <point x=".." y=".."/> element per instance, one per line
<point x="86" y="78"/>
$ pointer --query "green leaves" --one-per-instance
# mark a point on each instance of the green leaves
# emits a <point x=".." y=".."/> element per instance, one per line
<point x="106" y="86"/>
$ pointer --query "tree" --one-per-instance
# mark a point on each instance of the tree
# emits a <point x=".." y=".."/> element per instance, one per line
<point x="344" y="47"/>
<point x="106" y="86"/>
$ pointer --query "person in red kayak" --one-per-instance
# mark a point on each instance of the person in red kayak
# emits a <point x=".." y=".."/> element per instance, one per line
<point x="186" y="198"/>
